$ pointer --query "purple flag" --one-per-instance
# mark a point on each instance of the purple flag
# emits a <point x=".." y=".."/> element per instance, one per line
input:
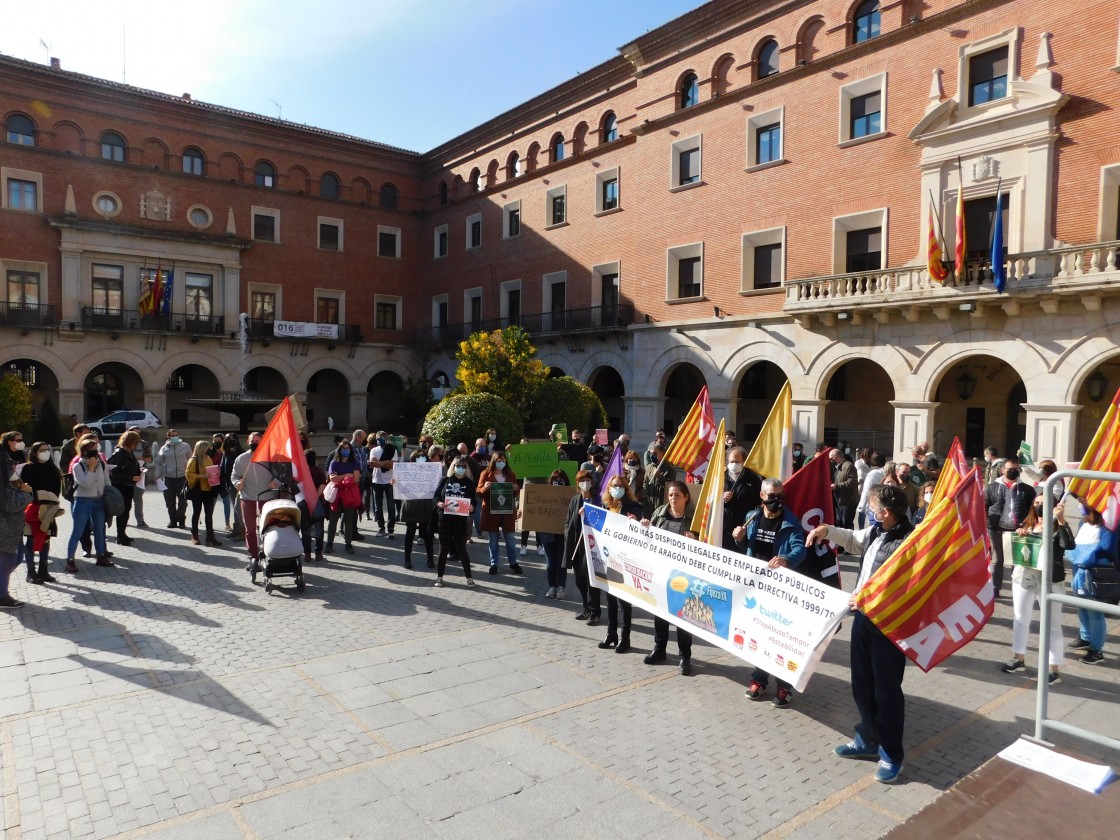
<point x="613" y="468"/>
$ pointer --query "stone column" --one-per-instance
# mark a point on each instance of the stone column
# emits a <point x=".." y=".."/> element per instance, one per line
<point x="644" y="416"/>
<point x="808" y="422"/>
<point x="728" y="410"/>
<point x="358" y="403"/>
<point x="1051" y="431"/>
<point x="912" y="424"/>
<point x="71" y="290"/>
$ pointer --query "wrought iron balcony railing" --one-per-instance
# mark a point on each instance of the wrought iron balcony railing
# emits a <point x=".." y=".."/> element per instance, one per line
<point x="101" y="318"/>
<point x="592" y="319"/>
<point x="28" y="314"/>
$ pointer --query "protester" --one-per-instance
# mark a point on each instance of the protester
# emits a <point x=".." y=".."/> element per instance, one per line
<point x="345" y="473"/>
<point x="313" y="523"/>
<point x="45" y="481"/>
<point x="253" y="481"/>
<point x="381" y="458"/>
<point x="773" y="534"/>
<point x="742" y="486"/>
<point x="498" y="472"/>
<point x="90" y="479"/>
<point x="620" y="499"/>
<point x="553" y="544"/>
<point x="673" y="516"/>
<point x="1095" y="545"/>
<point x="143" y="453"/>
<point x="17" y="496"/>
<point x="1008" y="502"/>
<point x="878" y="666"/>
<point x="417" y="516"/>
<point x="456" y="488"/>
<point x="171" y="466"/>
<point x="124" y="476"/>
<point x="575" y="554"/>
<point x="202" y="494"/>
<point x="231" y="449"/>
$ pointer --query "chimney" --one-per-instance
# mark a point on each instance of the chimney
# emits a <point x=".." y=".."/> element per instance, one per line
<point x="187" y="97"/>
<point x="56" y="64"/>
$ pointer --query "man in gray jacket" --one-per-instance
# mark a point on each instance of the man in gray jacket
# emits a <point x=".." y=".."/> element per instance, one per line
<point x="252" y="481"/>
<point x="171" y="466"/>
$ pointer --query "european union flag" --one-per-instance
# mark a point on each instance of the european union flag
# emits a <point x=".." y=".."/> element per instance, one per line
<point x="594" y="516"/>
<point x="999" y="270"/>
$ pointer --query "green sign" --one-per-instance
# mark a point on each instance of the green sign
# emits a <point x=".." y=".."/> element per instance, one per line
<point x="1026" y="551"/>
<point x="533" y="460"/>
<point x="503" y="498"/>
<point x="559" y="433"/>
<point x="1026" y="455"/>
<point x="398" y="443"/>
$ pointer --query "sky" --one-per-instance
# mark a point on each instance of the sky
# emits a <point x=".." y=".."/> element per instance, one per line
<point x="411" y="74"/>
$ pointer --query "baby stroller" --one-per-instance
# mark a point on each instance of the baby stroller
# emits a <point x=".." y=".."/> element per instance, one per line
<point x="281" y="544"/>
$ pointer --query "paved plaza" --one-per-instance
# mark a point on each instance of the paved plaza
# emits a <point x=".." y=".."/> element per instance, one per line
<point x="170" y="698"/>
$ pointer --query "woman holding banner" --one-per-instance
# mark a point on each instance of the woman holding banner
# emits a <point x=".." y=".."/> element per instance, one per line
<point x="673" y="516"/>
<point x="554" y="548"/>
<point x="574" y="551"/>
<point x="620" y="499"/>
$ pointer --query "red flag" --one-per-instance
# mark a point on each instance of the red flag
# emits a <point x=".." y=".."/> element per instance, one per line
<point x="692" y="444"/>
<point x="1103" y="454"/>
<point x="937" y="270"/>
<point x="961" y="247"/>
<point x="808" y="493"/>
<point x="280" y="451"/>
<point x="934" y="594"/>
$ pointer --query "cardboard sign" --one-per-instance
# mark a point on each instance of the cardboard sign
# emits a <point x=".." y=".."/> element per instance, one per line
<point x="456" y="506"/>
<point x="545" y="507"/>
<point x="416" y="481"/>
<point x="602" y="436"/>
<point x="503" y="498"/>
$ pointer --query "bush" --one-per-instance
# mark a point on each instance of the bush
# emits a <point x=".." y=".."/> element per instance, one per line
<point x="15" y="404"/>
<point x="463" y="418"/>
<point x="48" y="427"/>
<point x="501" y="362"/>
<point x="565" y="400"/>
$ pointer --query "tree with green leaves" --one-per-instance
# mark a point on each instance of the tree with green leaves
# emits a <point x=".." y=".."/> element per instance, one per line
<point x="462" y="418"/>
<point x="565" y="400"/>
<point x="503" y="363"/>
<point x="15" y="403"/>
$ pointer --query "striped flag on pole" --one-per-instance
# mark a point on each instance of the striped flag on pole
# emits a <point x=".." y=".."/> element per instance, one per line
<point x="956" y="466"/>
<point x="937" y="269"/>
<point x="707" y="521"/>
<point x="1103" y="454"/>
<point x="934" y="594"/>
<point x="961" y="247"/>
<point x="692" y="444"/>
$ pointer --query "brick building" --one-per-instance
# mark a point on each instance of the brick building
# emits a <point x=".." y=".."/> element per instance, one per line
<point x="739" y="197"/>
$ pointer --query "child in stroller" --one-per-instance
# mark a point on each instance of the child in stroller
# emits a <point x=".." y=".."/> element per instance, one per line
<point x="281" y="543"/>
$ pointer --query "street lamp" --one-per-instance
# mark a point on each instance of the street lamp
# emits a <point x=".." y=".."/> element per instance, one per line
<point x="1097" y="384"/>
<point x="966" y="384"/>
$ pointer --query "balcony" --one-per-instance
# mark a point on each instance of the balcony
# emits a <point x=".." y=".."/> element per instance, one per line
<point x="28" y="314"/>
<point x="1084" y="272"/>
<point x="347" y="333"/>
<point x="99" y="318"/>
<point x="597" y="319"/>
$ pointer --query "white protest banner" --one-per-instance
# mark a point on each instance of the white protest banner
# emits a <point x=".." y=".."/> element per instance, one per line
<point x="415" y="481"/>
<point x="303" y="329"/>
<point x="776" y="619"/>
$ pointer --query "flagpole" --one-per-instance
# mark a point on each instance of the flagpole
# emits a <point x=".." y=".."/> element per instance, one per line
<point x="957" y="270"/>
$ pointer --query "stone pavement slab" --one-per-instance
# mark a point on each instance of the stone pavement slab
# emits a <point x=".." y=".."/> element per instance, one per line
<point x="170" y="697"/>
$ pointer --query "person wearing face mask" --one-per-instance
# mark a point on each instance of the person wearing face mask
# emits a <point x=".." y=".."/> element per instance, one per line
<point x="742" y="486"/>
<point x="1094" y="545"/>
<point x="798" y="456"/>
<point x="1027" y="585"/>
<point x="554" y="547"/>
<point x="772" y="534"/>
<point x="344" y="468"/>
<point x="18" y="496"/>
<point x="45" y="481"/>
<point x="1008" y="501"/>
<point x="634" y="474"/>
<point x="416" y="514"/>
<point x="457" y="487"/>
<point x="90" y="479"/>
<point x="143" y="453"/>
<point x="674" y="516"/>
<point x="877" y="665"/>
<point x="381" y="458"/>
<point x="845" y="487"/>
<point x="171" y="465"/>
<point x="658" y="475"/>
<point x="619" y="499"/>
<point x="123" y="476"/>
<point x="498" y="472"/>
<point x="925" y="496"/>
<point x="575" y="554"/>
<point x="253" y="481"/>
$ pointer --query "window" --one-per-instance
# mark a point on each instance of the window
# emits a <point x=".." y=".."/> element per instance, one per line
<point x="557" y="148"/>
<point x="474" y="231"/>
<point x="387" y="312"/>
<point x="266" y="224"/>
<point x="330" y="234"/>
<point x="442" y="193"/>
<point x="106" y="204"/>
<point x="605" y="294"/>
<point x="979" y="217"/>
<point x="768" y="57"/>
<point x="865" y="22"/>
<point x="511" y="220"/>
<point x="21" y="130"/>
<point x="326" y="310"/>
<point x="112" y="147"/>
<point x="439" y="245"/>
<point x="149" y="278"/>
<point x="556" y="301"/>
<point x="863" y="110"/>
<point x="987" y="76"/>
<point x="199" y="216"/>
<point x="472" y="308"/>
<point x="389" y="242"/>
<point x="262" y="306"/>
<point x="510" y="303"/>
<point x="388" y="197"/>
<point x="606" y="191"/>
<point x="609" y="131"/>
<point x="476" y="180"/>
<point x="764" y="138"/>
<point x="763" y="259"/>
<point x="1108" y="209"/>
<point x="768" y="139"/>
<point x="265" y="174"/>
<point x="330" y="186"/>
<point x="194" y="163"/>
<point x="556" y="206"/>
<point x="685" y="166"/>
<point x="22" y="195"/>
<point x="23" y="289"/>
<point x="685" y="276"/>
<point x="859" y="241"/>
<point x="688" y="92"/>
<point x="108" y="289"/>
<point x="513" y="166"/>
<point x="199" y="290"/>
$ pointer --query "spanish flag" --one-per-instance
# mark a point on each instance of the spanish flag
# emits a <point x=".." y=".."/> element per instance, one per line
<point x="937" y="270"/>
<point x="707" y="521"/>
<point x="934" y="594"/>
<point x="1103" y="454"/>
<point x="692" y="444"/>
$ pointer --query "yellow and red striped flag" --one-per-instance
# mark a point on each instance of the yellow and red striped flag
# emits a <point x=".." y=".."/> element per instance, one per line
<point x="956" y="466"/>
<point x="937" y="270"/>
<point x="961" y="246"/>
<point x="934" y="594"/>
<point x="1103" y="454"/>
<point x="707" y="521"/>
<point x="692" y="444"/>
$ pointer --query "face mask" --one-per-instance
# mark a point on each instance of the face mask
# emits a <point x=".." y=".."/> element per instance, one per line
<point x="558" y="484"/>
<point x="420" y="459"/>
<point x="773" y="505"/>
<point x="345" y="453"/>
<point x="797" y="452"/>
<point x="929" y="498"/>
<point x="653" y="459"/>
<point x="1037" y="511"/>
<point x="89" y="453"/>
<point x="492" y="438"/>
<point x="175" y="440"/>
<point x="632" y="466"/>
<point x="734" y="468"/>
<point x="482" y="450"/>
<point x="501" y="465"/>
<point x="1012" y="474"/>
<point x="1084" y="511"/>
<point x="381" y="441"/>
<point x="623" y="446"/>
<point x="585" y="486"/>
<point x="878" y="517"/>
<point x="44" y="456"/>
<point x="618" y="492"/>
<point x="19" y="445"/>
<point x="847" y="451"/>
<point x="253" y="446"/>
<point x="460" y="472"/>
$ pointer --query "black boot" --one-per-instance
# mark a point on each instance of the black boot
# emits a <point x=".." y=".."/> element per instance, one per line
<point x="623" y="641"/>
<point x="656" y="655"/>
<point x="610" y="641"/>
<point x="44" y="571"/>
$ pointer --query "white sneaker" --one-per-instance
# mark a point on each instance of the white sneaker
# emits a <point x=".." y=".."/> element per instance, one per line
<point x="551" y="593"/>
<point x="470" y="582"/>
<point x="439" y="582"/>
<point x="540" y="549"/>
<point x="560" y="593"/>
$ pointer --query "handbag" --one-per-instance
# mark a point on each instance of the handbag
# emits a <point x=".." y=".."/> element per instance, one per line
<point x="113" y="500"/>
<point x="192" y="494"/>
<point x="330" y="492"/>
<point x="15" y="500"/>
<point x="1105" y="583"/>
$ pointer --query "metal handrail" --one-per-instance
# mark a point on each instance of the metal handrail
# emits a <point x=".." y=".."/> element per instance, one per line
<point x="1041" y="722"/>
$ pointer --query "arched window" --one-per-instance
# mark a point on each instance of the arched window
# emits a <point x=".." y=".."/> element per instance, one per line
<point x="807" y="40"/>
<point x="865" y="22"/>
<point x="609" y="130"/>
<point x="194" y="162"/>
<point x="21" y="130"/>
<point x="768" y="59"/>
<point x="388" y="197"/>
<point x="442" y="192"/>
<point x="513" y="165"/>
<point x="112" y="146"/>
<point x="265" y="174"/>
<point x="476" y="180"/>
<point x="556" y="147"/>
<point x="330" y="186"/>
<point x="689" y="91"/>
<point x="721" y="75"/>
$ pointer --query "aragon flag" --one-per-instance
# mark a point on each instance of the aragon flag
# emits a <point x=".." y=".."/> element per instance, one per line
<point x="951" y="474"/>
<point x="934" y="594"/>
<point x="281" y="454"/>
<point x="1103" y="454"/>
<point x="693" y="441"/>
<point x="937" y="270"/>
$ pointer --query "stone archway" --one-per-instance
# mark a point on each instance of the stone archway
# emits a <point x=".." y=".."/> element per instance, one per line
<point x="328" y="399"/>
<point x="192" y="382"/>
<point x="980" y="401"/>
<point x="384" y="403"/>
<point x="40" y="381"/>
<point x="110" y="387"/>
<point x="607" y="384"/>
<point x="758" y="389"/>
<point x="859" y="410"/>
<point x="682" y="385"/>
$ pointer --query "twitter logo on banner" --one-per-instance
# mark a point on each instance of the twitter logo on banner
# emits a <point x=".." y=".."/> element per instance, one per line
<point x="750" y="603"/>
<point x="594" y="516"/>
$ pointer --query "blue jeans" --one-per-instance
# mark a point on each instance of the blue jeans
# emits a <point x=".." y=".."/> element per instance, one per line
<point x="9" y="562"/>
<point x="87" y="511"/>
<point x="511" y="547"/>
<point x="1092" y="626"/>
